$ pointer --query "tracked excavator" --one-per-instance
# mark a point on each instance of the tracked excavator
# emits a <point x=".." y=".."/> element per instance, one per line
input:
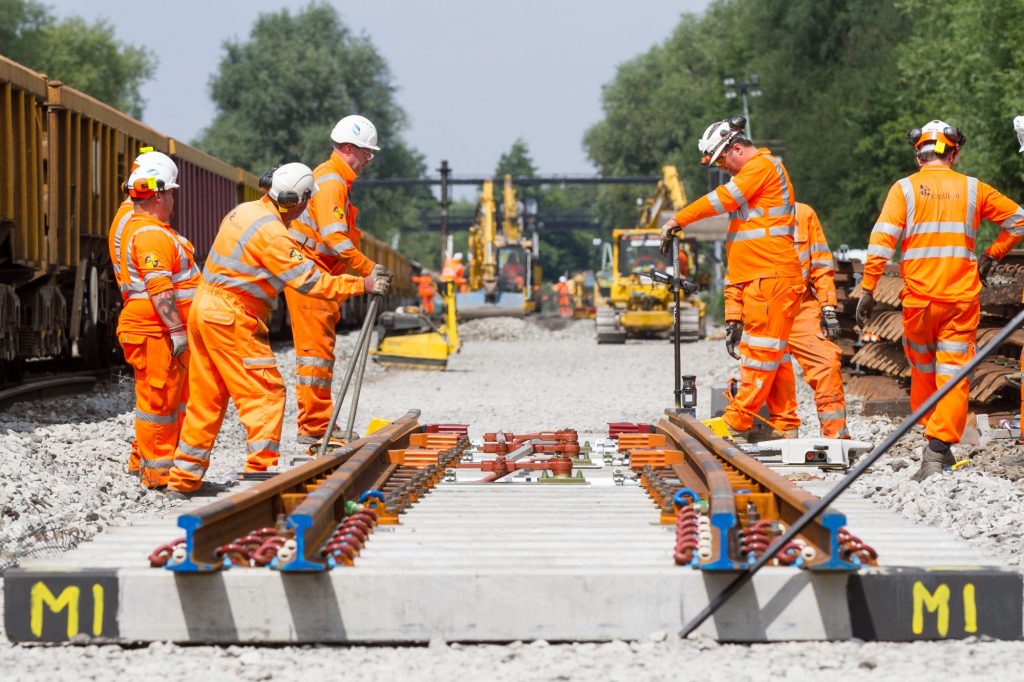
<point x="504" y="270"/>
<point x="629" y="304"/>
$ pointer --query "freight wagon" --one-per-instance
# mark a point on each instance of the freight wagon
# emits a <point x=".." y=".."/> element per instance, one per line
<point x="63" y="157"/>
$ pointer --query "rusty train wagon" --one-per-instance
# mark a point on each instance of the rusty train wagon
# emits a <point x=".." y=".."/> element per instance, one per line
<point x="63" y="156"/>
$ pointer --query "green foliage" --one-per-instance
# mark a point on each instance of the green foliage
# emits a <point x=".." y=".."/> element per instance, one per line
<point x="85" y="56"/>
<point x="279" y="93"/>
<point x="843" y="82"/>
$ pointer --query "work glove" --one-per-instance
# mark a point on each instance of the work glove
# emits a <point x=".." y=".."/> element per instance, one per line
<point x="985" y="265"/>
<point x="668" y="232"/>
<point x="380" y="271"/>
<point x="376" y="285"/>
<point x="179" y="341"/>
<point x="829" y="322"/>
<point x="733" y="332"/>
<point x="864" y="307"/>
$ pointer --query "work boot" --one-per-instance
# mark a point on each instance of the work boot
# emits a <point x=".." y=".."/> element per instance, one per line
<point x="337" y="434"/>
<point x="792" y="433"/>
<point x="935" y="458"/>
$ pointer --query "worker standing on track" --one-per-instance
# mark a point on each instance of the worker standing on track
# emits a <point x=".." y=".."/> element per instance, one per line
<point x="764" y="272"/>
<point x="252" y="258"/>
<point x="936" y="213"/>
<point x="157" y="277"/>
<point x="564" y="302"/>
<point x="816" y="325"/>
<point x="328" y="227"/>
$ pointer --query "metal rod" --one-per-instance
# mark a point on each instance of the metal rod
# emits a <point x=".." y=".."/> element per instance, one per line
<point x="676" y="280"/>
<point x="445" y="173"/>
<point x="343" y="389"/>
<point x="364" y="353"/>
<point x="857" y="471"/>
<point x="518" y="180"/>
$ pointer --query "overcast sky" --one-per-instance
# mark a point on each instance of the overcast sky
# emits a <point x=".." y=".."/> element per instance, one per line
<point x="473" y="75"/>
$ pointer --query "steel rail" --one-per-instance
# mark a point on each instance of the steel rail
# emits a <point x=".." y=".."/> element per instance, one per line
<point x="259" y="506"/>
<point x="791" y="500"/>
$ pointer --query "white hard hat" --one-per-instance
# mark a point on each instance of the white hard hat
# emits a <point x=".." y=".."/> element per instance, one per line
<point x="458" y="256"/>
<point x="562" y="279"/>
<point x="1018" y="127"/>
<point x="933" y="133"/>
<point x="152" y="172"/>
<point x="718" y="136"/>
<point x="357" y="130"/>
<point x="291" y="185"/>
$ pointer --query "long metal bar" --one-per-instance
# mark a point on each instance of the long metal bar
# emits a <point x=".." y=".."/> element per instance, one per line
<point x="362" y="353"/>
<point x="856" y="473"/>
<point x="518" y="180"/>
<point x="676" y="276"/>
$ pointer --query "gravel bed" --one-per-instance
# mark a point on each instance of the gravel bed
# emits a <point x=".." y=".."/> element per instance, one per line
<point x="66" y="457"/>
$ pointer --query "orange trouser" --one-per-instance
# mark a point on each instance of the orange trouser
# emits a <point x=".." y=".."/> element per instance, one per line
<point x="161" y="389"/>
<point x="427" y="303"/>
<point x="820" y="360"/>
<point x="231" y="358"/>
<point x="939" y="339"/>
<point x="564" y="306"/>
<point x="766" y="372"/>
<point x="313" y="332"/>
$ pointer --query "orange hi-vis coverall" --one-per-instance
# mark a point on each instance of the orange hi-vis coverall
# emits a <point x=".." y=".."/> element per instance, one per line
<point x="154" y="259"/>
<point x="818" y="357"/>
<point x="936" y="213"/>
<point x="766" y="284"/>
<point x="426" y="290"/>
<point x="252" y="258"/>
<point x="328" y="227"/>
<point x="117" y="225"/>
<point x="564" y="302"/>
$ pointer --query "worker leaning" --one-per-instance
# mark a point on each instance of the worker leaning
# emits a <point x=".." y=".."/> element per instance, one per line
<point x="936" y="212"/>
<point x="453" y="270"/>
<point x="252" y="259"/>
<point x="328" y="228"/>
<point x="158" y="277"/>
<point x="764" y="274"/>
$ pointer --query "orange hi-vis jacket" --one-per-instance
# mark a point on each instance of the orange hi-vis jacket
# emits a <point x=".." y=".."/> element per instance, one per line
<point x="153" y="259"/>
<point x="328" y="225"/>
<point x="760" y="202"/>
<point x="117" y="225"/>
<point x="936" y="213"/>
<point x="254" y="257"/>
<point x="815" y="255"/>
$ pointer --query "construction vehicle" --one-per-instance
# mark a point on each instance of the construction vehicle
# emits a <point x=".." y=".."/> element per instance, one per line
<point x="504" y="271"/>
<point x="581" y="288"/>
<point x="409" y="338"/>
<point x="631" y="305"/>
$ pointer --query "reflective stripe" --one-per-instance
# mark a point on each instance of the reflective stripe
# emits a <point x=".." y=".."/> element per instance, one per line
<point x="263" y="446"/>
<point x="744" y="235"/>
<point x="248" y="362"/>
<point x="828" y="416"/>
<point x="908" y="199"/>
<point x="716" y="203"/>
<point x="773" y="211"/>
<point x="333" y="228"/>
<point x="341" y="247"/>
<point x="248" y="233"/>
<point x="953" y="347"/>
<point x="302" y="239"/>
<point x="183" y="275"/>
<point x="184" y="294"/>
<point x="239" y="266"/>
<point x="941" y="227"/>
<point x="235" y="283"/>
<point x="786" y="199"/>
<point x="153" y="274"/>
<point x="804" y="255"/>
<point x="782" y="231"/>
<point x="757" y="364"/>
<point x="947" y="369"/>
<point x="938" y="252"/>
<point x="823" y="261"/>
<point x="926" y="349"/>
<point x="888" y="228"/>
<point x="190" y="467"/>
<point x="118" y="231"/>
<point x="923" y="367"/>
<point x="310" y="361"/>
<point x="843" y="433"/>
<point x="156" y="463"/>
<point x="741" y="214"/>
<point x="155" y="418"/>
<point x="972" y="202"/>
<point x="328" y="178"/>
<point x="1009" y="223"/>
<point x="733" y="189"/>
<point x="313" y="381"/>
<point x="786" y="358"/>
<point x="879" y="250"/>
<point x="198" y="453"/>
<point x="295" y="272"/>
<point x="818" y="247"/>
<point x="762" y="342"/>
<point x="308" y="285"/>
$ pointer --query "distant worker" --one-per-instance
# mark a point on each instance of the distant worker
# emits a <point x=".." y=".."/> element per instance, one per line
<point x="817" y="326"/>
<point x="513" y="272"/>
<point x="454" y="271"/>
<point x="158" y="278"/>
<point x="564" y="299"/>
<point x="936" y="213"/>
<point x="328" y="228"/>
<point x="252" y="258"/>
<point x="764" y="271"/>
<point x="426" y="290"/>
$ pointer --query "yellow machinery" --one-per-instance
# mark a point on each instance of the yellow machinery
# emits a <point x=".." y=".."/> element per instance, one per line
<point x="410" y="339"/>
<point x="504" y="273"/>
<point x="581" y="288"/>
<point x="629" y="304"/>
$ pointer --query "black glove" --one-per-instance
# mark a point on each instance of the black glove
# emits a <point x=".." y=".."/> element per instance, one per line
<point x="733" y="332"/>
<point x="864" y="307"/>
<point x="830" y="323"/>
<point x="985" y="265"/>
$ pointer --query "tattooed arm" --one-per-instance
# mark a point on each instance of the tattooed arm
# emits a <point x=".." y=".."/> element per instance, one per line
<point x="166" y="306"/>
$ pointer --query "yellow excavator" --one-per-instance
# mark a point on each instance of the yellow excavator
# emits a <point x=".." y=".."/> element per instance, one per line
<point x="410" y="339"/>
<point x="629" y="304"/>
<point x="504" y="271"/>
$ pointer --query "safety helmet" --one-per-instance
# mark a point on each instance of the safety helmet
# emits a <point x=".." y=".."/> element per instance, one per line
<point x="458" y="256"/>
<point x="935" y="136"/>
<point x="719" y="136"/>
<point x="292" y="183"/>
<point x="152" y="172"/>
<point x="267" y="179"/>
<point x="1018" y="127"/>
<point x="562" y="279"/>
<point x="357" y="130"/>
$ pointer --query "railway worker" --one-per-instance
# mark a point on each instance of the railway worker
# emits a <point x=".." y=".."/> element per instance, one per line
<point x="252" y="258"/>
<point x="816" y="325"/>
<point x="426" y="290"/>
<point x="564" y="301"/>
<point x="158" y="278"/>
<point x="936" y="212"/>
<point x="765" y="277"/>
<point x="328" y="228"/>
<point x="454" y="271"/>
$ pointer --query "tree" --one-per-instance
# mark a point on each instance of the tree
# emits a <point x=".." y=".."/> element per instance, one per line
<point x="279" y="93"/>
<point x="85" y="56"/>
